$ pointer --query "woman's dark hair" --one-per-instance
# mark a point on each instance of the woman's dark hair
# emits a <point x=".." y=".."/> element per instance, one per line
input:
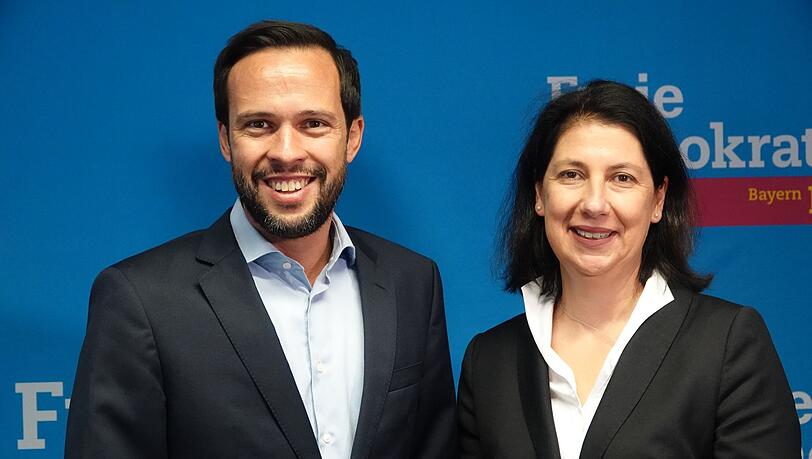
<point x="282" y="34"/>
<point x="524" y="249"/>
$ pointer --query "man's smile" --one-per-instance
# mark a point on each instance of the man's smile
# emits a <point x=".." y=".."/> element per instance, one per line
<point x="288" y="185"/>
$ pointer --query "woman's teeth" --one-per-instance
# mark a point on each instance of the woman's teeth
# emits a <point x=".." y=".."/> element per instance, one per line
<point x="588" y="235"/>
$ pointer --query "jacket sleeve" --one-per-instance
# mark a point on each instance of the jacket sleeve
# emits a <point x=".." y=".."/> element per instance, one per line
<point x="756" y="415"/>
<point x="436" y="426"/>
<point x="117" y="408"/>
<point x="466" y="409"/>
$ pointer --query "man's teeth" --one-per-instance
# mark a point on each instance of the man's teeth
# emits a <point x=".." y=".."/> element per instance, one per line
<point x="589" y="235"/>
<point x="288" y="185"/>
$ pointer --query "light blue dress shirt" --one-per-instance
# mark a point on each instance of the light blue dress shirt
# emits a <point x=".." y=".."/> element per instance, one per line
<point x="320" y="328"/>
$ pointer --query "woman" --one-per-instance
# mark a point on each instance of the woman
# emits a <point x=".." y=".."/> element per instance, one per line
<point x="618" y="355"/>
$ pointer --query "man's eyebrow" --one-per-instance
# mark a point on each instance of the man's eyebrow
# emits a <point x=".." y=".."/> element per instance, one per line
<point x="242" y="117"/>
<point x="253" y="114"/>
<point x="318" y="114"/>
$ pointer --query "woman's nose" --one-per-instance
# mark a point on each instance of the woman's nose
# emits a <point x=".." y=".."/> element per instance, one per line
<point x="594" y="202"/>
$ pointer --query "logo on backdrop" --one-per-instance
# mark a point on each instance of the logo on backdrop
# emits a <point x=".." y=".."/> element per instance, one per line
<point x="803" y="403"/>
<point x="740" y="200"/>
<point x="32" y="415"/>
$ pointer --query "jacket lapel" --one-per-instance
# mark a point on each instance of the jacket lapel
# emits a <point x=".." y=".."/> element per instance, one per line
<point x="379" y="312"/>
<point x="534" y="390"/>
<point x="636" y="368"/>
<point x="229" y="287"/>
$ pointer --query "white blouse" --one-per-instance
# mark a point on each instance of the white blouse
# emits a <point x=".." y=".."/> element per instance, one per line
<point x="571" y="418"/>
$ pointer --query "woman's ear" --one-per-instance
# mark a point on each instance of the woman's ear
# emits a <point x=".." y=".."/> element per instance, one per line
<point x="659" y="201"/>
<point x="539" y="200"/>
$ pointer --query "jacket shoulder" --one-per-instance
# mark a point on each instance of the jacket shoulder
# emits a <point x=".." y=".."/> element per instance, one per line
<point x="709" y="308"/>
<point x="709" y="301"/>
<point x="499" y="337"/>
<point x="385" y="248"/>
<point x="509" y="327"/>
<point x="185" y="244"/>
<point x="163" y="262"/>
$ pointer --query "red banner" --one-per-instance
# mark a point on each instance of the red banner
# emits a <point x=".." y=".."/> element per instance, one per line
<point x="745" y="201"/>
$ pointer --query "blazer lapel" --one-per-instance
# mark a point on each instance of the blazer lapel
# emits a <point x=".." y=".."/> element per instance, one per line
<point x="636" y="368"/>
<point x="379" y="312"/>
<point x="230" y="289"/>
<point x="534" y="390"/>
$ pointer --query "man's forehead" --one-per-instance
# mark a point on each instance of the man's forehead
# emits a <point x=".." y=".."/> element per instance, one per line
<point x="285" y="82"/>
<point x="287" y="62"/>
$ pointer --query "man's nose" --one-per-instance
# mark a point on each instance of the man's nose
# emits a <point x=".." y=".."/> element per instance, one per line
<point x="287" y="146"/>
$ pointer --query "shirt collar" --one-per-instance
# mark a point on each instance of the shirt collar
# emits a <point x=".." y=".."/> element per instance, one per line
<point x="253" y="245"/>
<point x="539" y="310"/>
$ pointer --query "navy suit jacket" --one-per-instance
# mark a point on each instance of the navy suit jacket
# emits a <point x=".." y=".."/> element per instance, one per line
<point x="181" y="360"/>
<point x="699" y="379"/>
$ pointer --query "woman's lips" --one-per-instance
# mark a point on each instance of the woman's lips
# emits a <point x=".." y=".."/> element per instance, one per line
<point x="592" y="236"/>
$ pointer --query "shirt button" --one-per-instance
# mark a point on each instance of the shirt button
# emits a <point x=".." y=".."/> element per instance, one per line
<point x="320" y="367"/>
<point x="287" y="265"/>
<point x="327" y="438"/>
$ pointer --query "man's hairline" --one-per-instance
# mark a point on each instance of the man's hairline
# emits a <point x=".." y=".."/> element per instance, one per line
<point x="227" y="124"/>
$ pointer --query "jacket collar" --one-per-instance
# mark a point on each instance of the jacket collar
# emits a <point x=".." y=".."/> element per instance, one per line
<point x="230" y="290"/>
<point x="380" y="331"/>
<point x="634" y="372"/>
<point x="229" y="287"/>
<point x="534" y="390"/>
<point x="636" y="368"/>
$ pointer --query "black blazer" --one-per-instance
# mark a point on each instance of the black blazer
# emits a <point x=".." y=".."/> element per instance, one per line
<point x="699" y="379"/>
<point x="181" y="359"/>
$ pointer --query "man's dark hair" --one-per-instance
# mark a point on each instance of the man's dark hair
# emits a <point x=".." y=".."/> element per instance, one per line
<point x="282" y="34"/>
<point x="524" y="250"/>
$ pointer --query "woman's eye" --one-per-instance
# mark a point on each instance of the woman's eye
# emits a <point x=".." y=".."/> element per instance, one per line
<point x="569" y="175"/>
<point x="624" y="178"/>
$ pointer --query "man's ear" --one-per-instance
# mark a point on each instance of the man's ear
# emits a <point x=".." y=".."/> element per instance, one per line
<point x="355" y="135"/>
<point x="225" y="143"/>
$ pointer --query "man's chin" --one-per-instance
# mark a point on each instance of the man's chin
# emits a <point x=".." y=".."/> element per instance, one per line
<point x="289" y="214"/>
<point x="293" y="223"/>
<point x="277" y="219"/>
<point x="290" y="230"/>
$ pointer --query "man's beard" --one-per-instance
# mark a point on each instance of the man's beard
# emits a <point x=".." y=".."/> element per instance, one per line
<point x="329" y="191"/>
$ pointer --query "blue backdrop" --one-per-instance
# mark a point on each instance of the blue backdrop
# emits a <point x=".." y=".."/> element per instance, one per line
<point x="109" y="147"/>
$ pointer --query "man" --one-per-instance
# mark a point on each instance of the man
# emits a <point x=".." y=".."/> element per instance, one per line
<point x="277" y="332"/>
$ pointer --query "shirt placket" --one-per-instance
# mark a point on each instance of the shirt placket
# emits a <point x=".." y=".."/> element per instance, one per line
<point x="322" y="368"/>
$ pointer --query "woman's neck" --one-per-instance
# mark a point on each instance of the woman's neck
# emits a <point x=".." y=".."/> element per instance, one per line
<point x="600" y="300"/>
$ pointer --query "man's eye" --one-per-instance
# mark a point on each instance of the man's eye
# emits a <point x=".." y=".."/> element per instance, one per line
<point x="256" y="124"/>
<point x="314" y="124"/>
